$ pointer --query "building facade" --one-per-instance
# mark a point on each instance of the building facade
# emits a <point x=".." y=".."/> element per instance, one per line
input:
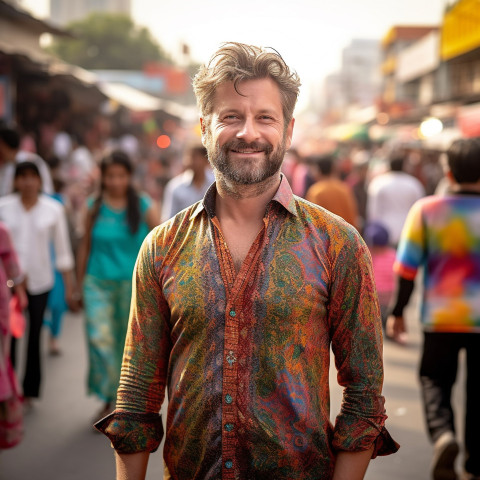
<point x="63" y="12"/>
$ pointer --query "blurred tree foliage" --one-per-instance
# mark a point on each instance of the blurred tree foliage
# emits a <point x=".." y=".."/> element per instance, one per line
<point x="109" y="41"/>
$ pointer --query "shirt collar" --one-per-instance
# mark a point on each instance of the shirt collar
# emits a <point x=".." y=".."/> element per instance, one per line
<point x="284" y="197"/>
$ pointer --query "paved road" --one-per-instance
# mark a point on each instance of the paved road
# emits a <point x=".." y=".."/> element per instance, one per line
<point x="60" y="444"/>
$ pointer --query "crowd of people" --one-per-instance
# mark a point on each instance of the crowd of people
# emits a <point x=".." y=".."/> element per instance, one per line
<point x="71" y="229"/>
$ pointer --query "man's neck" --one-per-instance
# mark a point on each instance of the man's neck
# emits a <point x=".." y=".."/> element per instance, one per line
<point x="466" y="187"/>
<point x="244" y="203"/>
<point x="29" y="201"/>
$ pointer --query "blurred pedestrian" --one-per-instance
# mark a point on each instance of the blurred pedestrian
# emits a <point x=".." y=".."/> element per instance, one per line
<point x="116" y="223"/>
<point x="11" y="418"/>
<point x="36" y="221"/>
<point x="11" y="155"/>
<point x="190" y="186"/>
<point x="236" y="303"/>
<point x="357" y="181"/>
<point x="330" y="192"/>
<point x="297" y="172"/>
<point x="442" y="236"/>
<point x="383" y="258"/>
<point x="390" y="197"/>
<point x="57" y="305"/>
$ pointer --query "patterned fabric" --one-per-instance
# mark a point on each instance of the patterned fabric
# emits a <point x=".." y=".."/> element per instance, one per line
<point x="9" y="270"/>
<point x="107" y="303"/>
<point x="442" y="235"/>
<point x="11" y="407"/>
<point x="246" y="356"/>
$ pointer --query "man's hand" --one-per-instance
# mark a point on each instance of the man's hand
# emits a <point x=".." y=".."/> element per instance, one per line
<point x="131" y="466"/>
<point x="352" y="465"/>
<point x="396" y="329"/>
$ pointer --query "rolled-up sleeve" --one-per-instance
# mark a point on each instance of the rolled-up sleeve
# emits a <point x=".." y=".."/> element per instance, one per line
<point x="136" y="425"/>
<point x="356" y="333"/>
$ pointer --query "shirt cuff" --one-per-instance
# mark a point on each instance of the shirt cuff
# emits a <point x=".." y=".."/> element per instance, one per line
<point x="132" y="432"/>
<point x="354" y="435"/>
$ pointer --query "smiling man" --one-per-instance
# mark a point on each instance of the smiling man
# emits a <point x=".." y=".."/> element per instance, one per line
<point x="236" y="303"/>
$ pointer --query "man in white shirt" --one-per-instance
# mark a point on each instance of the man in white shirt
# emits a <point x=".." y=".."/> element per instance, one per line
<point x="390" y="197"/>
<point x="10" y="155"/>
<point x="190" y="186"/>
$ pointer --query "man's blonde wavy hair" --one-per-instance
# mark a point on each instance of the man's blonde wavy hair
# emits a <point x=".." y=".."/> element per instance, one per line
<point x="237" y="62"/>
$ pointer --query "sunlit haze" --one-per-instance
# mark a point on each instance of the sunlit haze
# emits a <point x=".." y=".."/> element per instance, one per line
<point x="309" y="34"/>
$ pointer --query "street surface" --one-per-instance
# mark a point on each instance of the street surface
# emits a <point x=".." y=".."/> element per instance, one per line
<point x="60" y="443"/>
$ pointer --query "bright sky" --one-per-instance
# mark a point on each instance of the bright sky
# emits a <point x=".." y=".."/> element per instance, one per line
<point x="309" y="34"/>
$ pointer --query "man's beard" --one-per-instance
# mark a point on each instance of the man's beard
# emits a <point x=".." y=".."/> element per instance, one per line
<point x="246" y="171"/>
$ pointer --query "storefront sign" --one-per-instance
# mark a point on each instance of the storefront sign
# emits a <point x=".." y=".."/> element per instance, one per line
<point x="419" y="59"/>
<point x="460" y="29"/>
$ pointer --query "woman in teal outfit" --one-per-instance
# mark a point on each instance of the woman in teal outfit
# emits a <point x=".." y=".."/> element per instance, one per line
<point x="116" y="222"/>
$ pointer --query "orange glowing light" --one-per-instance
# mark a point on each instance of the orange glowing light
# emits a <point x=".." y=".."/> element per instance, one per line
<point x="163" y="141"/>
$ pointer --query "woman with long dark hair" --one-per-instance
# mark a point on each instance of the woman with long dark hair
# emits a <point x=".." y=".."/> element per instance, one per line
<point x="116" y="222"/>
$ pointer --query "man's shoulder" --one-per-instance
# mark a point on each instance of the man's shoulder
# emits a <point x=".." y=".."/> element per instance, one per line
<point x="437" y="202"/>
<point x="47" y="202"/>
<point x="316" y="217"/>
<point x="9" y="200"/>
<point x="180" y="181"/>
<point x="410" y="180"/>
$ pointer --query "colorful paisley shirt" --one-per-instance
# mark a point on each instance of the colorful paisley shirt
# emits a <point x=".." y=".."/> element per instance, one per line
<point x="442" y="236"/>
<point x="245" y="356"/>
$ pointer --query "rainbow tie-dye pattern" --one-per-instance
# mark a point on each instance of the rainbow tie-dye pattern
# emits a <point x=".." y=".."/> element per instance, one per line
<point x="442" y="235"/>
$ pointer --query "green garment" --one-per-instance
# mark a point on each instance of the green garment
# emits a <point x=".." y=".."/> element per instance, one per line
<point x="114" y="248"/>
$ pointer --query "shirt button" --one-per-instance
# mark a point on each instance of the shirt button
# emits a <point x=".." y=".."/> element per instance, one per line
<point x="228" y="398"/>
<point x="232" y="313"/>
<point x="228" y="464"/>
<point x="229" y="427"/>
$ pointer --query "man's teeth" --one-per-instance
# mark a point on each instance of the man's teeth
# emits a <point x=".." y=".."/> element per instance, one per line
<point x="247" y="151"/>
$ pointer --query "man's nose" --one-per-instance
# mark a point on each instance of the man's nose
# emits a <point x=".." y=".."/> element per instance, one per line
<point x="248" y="131"/>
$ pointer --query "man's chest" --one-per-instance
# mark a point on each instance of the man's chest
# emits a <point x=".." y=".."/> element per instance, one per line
<point x="279" y="286"/>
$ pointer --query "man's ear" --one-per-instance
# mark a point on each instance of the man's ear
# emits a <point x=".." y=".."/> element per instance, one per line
<point x="203" y="128"/>
<point x="450" y="177"/>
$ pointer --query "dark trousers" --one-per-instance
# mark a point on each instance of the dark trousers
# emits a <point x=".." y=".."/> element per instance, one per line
<point x="36" y="309"/>
<point x="438" y="371"/>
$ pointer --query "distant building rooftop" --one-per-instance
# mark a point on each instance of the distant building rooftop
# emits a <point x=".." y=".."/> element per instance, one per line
<point x="407" y="32"/>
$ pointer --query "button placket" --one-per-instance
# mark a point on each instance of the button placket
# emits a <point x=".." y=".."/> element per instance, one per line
<point x="229" y="412"/>
<point x="235" y="284"/>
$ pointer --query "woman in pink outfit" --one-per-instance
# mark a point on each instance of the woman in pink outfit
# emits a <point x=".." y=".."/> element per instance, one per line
<point x="383" y="257"/>
<point x="10" y="404"/>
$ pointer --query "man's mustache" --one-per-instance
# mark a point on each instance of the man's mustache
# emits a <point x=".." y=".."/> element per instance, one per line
<point x="241" y="145"/>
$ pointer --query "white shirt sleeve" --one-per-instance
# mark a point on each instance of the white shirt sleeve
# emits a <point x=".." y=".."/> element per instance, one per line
<point x="63" y="251"/>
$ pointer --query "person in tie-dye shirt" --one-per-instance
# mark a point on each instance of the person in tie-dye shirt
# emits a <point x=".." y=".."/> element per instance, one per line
<point x="442" y="236"/>
<point x="236" y="302"/>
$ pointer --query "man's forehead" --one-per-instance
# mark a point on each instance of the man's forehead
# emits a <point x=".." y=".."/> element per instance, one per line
<point x="263" y="90"/>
